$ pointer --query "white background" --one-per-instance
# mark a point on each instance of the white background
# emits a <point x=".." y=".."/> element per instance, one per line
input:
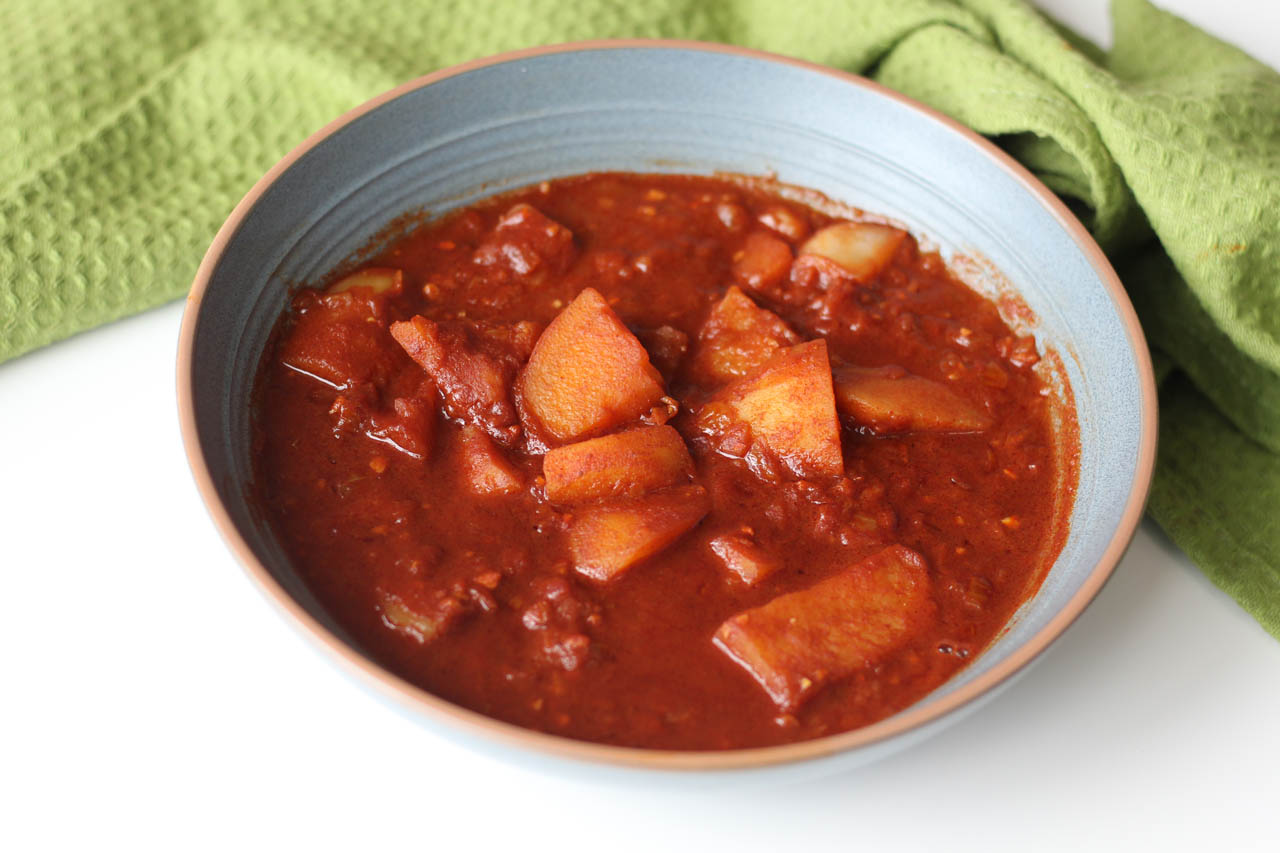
<point x="150" y="698"/>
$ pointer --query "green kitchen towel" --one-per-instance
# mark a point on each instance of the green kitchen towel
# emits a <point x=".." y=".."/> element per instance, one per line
<point x="129" y="129"/>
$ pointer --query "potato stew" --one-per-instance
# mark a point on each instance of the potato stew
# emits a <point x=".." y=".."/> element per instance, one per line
<point x="662" y="461"/>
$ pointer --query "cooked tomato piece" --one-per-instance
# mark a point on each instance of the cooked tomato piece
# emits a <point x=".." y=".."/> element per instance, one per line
<point x="339" y="339"/>
<point x="527" y="244"/>
<point x="473" y="371"/>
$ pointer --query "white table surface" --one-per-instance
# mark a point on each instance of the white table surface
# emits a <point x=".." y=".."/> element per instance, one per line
<point x="152" y="698"/>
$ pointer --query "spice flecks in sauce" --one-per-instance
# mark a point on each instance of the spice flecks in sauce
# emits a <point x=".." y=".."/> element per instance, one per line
<point x="404" y="472"/>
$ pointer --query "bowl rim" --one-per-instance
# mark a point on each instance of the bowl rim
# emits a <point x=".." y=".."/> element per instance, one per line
<point x="418" y="700"/>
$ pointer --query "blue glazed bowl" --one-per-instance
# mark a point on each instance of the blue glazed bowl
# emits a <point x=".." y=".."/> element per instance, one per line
<point x="447" y="139"/>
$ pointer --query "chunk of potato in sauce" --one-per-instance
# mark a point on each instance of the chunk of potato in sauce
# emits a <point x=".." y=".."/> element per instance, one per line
<point x="798" y="642"/>
<point x="608" y="538"/>
<point x="743" y="557"/>
<point x="587" y="373"/>
<point x="611" y="458"/>
<point x="789" y="406"/>
<point x="763" y="261"/>
<point x="889" y="399"/>
<point x="862" y="249"/>
<point x="376" y="279"/>
<point x="623" y="463"/>
<point x="424" y="617"/>
<point x="738" y="337"/>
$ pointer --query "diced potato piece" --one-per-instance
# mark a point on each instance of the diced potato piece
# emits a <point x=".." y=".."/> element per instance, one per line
<point x="339" y="339"/>
<point x="377" y="279"/>
<point x="624" y="463"/>
<point x="738" y="337"/>
<point x="863" y="249"/>
<point x="743" y="557"/>
<point x="527" y="243"/>
<point x="486" y="470"/>
<point x="474" y="373"/>
<point x="423" y="618"/>
<point x="786" y="222"/>
<point x="799" y="642"/>
<point x="588" y="373"/>
<point x="788" y="403"/>
<point x="609" y="538"/>
<point x="889" y="400"/>
<point x="763" y="261"/>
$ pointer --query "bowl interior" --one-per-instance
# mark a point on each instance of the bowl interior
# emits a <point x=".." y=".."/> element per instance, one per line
<point x="677" y="108"/>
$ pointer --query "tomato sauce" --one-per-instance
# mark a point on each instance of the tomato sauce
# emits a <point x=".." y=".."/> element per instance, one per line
<point x="406" y="464"/>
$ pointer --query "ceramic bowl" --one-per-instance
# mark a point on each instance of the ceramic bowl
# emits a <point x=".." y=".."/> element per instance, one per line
<point x="451" y="137"/>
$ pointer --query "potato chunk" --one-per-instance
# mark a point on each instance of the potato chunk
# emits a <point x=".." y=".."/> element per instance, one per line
<point x="741" y="555"/>
<point x="588" y="373"/>
<point x="863" y="249"/>
<point x="486" y="470"/>
<point x="786" y="222"/>
<point x="473" y="371"/>
<point x="624" y="463"/>
<point x="607" y="539"/>
<point x="889" y="399"/>
<point x="788" y="404"/>
<point x="763" y="261"/>
<point x="799" y="642"/>
<point x="738" y="337"/>
<point x="377" y="279"/>
<point x="422" y="616"/>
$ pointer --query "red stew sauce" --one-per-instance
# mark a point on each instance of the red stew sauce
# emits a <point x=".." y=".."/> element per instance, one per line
<point x="661" y="461"/>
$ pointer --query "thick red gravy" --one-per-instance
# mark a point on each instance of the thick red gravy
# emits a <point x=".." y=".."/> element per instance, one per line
<point x="366" y="466"/>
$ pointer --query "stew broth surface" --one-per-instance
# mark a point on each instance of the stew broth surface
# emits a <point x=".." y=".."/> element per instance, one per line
<point x="365" y="464"/>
